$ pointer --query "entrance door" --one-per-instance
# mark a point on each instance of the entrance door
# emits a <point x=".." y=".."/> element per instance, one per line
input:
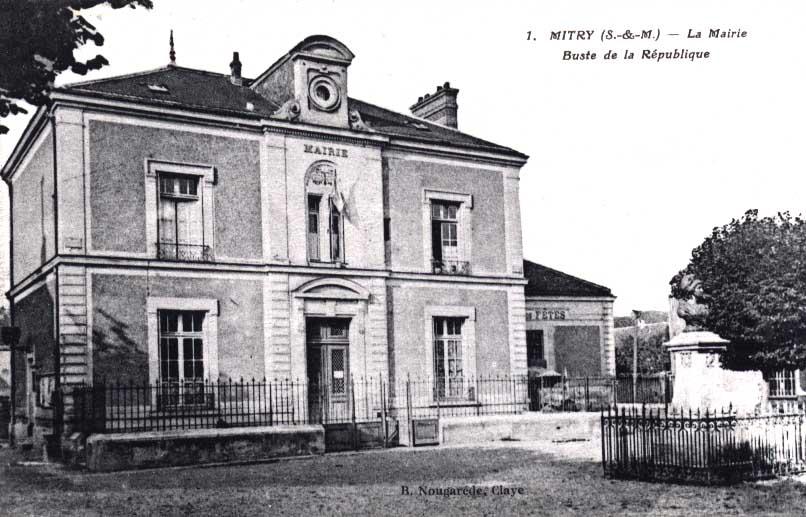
<point x="535" y="361"/>
<point x="328" y="370"/>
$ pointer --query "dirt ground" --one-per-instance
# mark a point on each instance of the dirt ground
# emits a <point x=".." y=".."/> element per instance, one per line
<point x="507" y="478"/>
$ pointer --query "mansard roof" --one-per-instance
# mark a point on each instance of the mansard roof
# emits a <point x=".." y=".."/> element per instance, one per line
<point x="199" y="90"/>
<point x="545" y="281"/>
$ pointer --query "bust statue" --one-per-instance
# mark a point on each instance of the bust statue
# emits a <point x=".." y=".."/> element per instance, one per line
<point x="691" y="305"/>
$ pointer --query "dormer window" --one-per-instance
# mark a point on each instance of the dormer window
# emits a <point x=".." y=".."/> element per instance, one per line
<point x="158" y="88"/>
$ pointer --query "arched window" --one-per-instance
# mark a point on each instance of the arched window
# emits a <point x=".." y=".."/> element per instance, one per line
<point x="324" y="214"/>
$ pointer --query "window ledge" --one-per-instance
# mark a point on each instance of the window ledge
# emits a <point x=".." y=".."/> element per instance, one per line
<point x="326" y="264"/>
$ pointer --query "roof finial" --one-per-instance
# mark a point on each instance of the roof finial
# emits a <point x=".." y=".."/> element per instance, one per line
<point x="172" y="54"/>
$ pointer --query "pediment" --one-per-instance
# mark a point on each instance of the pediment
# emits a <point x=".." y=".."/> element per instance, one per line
<point x="324" y="47"/>
<point x="332" y="289"/>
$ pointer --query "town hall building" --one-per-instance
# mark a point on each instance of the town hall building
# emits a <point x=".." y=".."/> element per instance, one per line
<point x="179" y="225"/>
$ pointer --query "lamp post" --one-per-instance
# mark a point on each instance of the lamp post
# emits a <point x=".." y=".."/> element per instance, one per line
<point x="10" y="337"/>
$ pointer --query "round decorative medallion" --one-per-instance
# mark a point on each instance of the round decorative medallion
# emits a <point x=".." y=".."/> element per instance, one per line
<point x="324" y="93"/>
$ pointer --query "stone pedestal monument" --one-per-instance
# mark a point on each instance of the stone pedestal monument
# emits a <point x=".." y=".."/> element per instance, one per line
<point x="700" y="382"/>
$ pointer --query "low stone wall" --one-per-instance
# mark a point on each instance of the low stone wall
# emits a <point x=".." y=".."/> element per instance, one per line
<point x="108" y="452"/>
<point x="526" y="426"/>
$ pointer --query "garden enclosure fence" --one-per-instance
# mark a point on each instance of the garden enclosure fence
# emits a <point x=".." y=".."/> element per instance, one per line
<point x="701" y="447"/>
<point x="117" y="407"/>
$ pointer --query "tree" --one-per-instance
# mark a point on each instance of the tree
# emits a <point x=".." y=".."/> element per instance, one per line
<point x="752" y="275"/>
<point x="652" y="357"/>
<point x="38" y="41"/>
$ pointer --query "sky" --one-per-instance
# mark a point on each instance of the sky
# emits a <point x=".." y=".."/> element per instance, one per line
<point x="632" y="162"/>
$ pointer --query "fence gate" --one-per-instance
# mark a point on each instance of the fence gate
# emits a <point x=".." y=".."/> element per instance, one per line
<point x="373" y="427"/>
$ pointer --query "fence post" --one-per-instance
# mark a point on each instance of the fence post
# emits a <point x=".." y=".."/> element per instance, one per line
<point x="604" y="438"/>
<point x="383" y="415"/>
<point x="271" y="406"/>
<point x="539" y="405"/>
<point x="708" y="463"/>
<point x="614" y="384"/>
<point x="436" y="398"/>
<point x="562" y="402"/>
<point x="355" y="426"/>
<point x="408" y="409"/>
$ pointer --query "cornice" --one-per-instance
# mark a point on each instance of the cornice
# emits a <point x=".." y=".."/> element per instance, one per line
<point x="37" y="123"/>
<point x="130" y="263"/>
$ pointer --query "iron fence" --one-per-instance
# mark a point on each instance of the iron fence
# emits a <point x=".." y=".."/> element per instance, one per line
<point x="597" y="393"/>
<point x="467" y="396"/>
<point x="695" y="447"/>
<point x="117" y="407"/>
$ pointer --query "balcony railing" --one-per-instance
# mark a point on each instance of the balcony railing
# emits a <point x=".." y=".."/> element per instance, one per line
<point x="450" y="267"/>
<point x="184" y="252"/>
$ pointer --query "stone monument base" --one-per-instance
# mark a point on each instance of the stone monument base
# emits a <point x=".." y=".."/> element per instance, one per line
<point x="700" y="382"/>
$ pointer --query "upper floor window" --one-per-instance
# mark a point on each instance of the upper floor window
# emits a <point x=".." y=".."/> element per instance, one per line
<point x="313" y="226"/>
<point x="181" y="219"/>
<point x="445" y="235"/>
<point x="448" y="235"/>
<point x="180" y="199"/>
<point x="325" y="204"/>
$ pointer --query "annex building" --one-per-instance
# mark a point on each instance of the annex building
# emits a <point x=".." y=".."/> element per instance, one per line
<point x="179" y="225"/>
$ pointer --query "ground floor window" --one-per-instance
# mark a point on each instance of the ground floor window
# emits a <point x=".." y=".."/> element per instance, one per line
<point x="535" y="355"/>
<point x="448" y="365"/>
<point x="181" y="356"/>
<point x="782" y="383"/>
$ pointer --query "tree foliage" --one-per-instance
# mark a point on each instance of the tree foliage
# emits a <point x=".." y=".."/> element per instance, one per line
<point x="753" y="283"/>
<point x="38" y="41"/>
<point x="652" y="357"/>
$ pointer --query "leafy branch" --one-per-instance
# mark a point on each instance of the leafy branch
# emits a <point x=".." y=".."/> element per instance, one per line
<point x="39" y="40"/>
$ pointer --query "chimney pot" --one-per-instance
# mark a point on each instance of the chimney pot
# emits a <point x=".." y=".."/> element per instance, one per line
<point x="440" y="107"/>
<point x="235" y="70"/>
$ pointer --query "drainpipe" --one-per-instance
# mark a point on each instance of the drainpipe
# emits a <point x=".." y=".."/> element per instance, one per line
<point x="57" y="356"/>
<point x="13" y="420"/>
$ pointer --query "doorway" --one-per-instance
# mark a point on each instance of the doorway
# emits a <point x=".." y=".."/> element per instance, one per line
<point x="328" y="371"/>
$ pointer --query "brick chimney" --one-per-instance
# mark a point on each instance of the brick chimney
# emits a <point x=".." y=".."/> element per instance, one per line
<point x="235" y="70"/>
<point x="439" y="107"/>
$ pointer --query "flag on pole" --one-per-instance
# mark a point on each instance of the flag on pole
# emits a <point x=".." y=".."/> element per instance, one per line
<point x="338" y="199"/>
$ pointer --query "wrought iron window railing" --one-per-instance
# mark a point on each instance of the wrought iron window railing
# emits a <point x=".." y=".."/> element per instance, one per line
<point x="184" y="252"/>
<point x="450" y="267"/>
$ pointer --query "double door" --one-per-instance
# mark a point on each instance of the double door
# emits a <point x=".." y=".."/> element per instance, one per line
<point x="328" y="359"/>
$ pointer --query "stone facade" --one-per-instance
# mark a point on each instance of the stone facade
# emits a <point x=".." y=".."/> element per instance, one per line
<point x="95" y="266"/>
<point x="577" y="335"/>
